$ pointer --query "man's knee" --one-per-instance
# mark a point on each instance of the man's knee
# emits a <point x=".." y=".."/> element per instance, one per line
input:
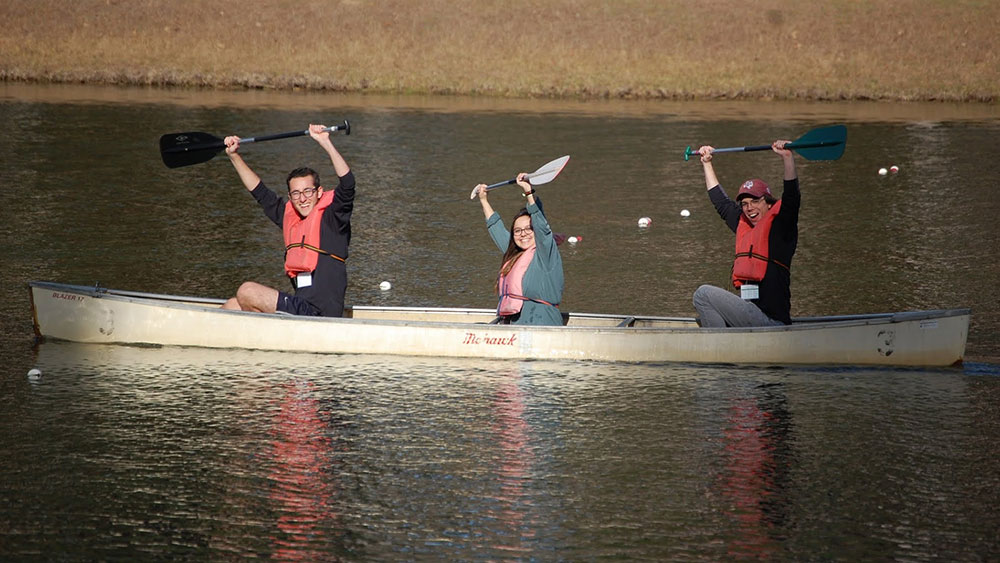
<point x="702" y="295"/>
<point x="253" y="296"/>
<point x="248" y="290"/>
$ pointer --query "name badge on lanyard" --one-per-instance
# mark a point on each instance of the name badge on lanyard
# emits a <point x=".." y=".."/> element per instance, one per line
<point x="303" y="279"/>
<point x="749" y="291"/>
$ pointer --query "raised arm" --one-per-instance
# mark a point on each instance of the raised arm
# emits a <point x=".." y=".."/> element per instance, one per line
<point x="249" y="177"/>
<point x="487" y="208"/>
<point x="323" y="138"/>
<point x="706" y="163"/>
<point x="529" y="192"/>
<point x="787" y="157"/>
<point x="544" y="239"/>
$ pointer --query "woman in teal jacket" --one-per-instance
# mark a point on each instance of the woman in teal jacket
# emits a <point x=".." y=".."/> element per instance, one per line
<point x="530" y="282"/>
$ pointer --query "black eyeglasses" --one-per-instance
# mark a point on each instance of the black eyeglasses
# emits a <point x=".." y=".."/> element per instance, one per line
<point x="518" y="231"/>
<point x="306" y="193"/>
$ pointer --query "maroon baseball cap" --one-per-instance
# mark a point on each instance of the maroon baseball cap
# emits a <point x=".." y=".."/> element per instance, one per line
<point x="755" y="188"/>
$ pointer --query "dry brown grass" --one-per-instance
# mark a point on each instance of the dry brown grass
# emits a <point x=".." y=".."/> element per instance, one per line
<point x="838" y="49"/>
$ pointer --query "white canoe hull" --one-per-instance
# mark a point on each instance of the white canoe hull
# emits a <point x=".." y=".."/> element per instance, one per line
<point x="92" y="315"/>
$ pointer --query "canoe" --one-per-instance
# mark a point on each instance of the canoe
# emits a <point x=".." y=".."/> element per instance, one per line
<point x="99" y="315"/>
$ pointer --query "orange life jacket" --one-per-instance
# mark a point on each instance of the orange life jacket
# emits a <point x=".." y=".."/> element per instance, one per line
<point x="752" y="257"/>
<point x="302" y="237"/>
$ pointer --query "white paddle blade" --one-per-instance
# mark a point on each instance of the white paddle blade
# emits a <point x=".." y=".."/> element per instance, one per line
<point x="547" y="173"/>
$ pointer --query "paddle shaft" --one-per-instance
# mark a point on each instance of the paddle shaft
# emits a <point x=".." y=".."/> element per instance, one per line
<point x="346" y="127"/>
<point x="789" y="146"/>
<point x="498" y="184"/>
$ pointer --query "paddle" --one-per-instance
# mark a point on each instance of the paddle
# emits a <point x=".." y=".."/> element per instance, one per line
<point x="184" y="149"/>
<point x="825" y="143"/>
<point x="543" y="175"/>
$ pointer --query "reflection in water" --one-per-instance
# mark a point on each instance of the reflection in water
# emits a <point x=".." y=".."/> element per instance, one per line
<point x="185" y="453"/>
<point x="303" y="486"/>
<point x="513" y="437"/>
<point x="757" y="453"/>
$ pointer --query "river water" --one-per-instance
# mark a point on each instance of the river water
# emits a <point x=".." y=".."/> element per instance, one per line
<point x="150" y="453"/>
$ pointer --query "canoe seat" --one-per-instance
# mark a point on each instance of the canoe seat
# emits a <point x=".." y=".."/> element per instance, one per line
<point x="629" y="321"/>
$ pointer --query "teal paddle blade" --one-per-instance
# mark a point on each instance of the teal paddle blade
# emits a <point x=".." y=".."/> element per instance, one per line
<point x="825" y="143"/>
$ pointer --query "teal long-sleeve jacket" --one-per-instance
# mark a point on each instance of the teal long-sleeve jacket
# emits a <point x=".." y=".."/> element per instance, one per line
<point x="544" y="277"/>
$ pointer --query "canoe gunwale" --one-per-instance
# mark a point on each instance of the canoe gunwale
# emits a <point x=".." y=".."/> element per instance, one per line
<point x="75" y="313"/>
<point x="625" y="324"/>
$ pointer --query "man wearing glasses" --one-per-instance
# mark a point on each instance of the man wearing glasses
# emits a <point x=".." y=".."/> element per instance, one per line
<point x="317" y="228"/>
<point x="767" y="232"/>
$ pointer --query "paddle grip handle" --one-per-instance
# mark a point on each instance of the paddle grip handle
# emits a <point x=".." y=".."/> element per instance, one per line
<point x="346" y="128"/>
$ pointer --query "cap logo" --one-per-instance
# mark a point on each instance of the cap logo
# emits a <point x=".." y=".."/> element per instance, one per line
<point x="748" y="184"/>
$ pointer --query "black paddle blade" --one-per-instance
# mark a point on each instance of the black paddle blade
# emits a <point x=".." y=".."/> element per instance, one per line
<point x="185" y="149"/>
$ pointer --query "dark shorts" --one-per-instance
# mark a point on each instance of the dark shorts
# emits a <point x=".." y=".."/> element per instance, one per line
<point x="296" y="306"/>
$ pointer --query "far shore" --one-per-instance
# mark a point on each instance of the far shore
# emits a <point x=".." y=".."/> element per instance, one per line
<point x="334" y="103"/>
<point x="839" y="50"/>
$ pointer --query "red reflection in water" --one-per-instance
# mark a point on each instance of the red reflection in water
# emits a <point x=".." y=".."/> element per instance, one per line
<point x="302" y="491"/>
<point x="753" y="479"/>
<point x="513" y="435"/>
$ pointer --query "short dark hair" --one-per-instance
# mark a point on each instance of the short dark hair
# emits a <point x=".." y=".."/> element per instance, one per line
<point x="768" y="198"/>
<point x="302" y="173"/>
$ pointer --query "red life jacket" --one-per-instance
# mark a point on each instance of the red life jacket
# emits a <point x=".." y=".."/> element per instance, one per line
<point x="302" y="237"/>
<point x="752" y="257"/>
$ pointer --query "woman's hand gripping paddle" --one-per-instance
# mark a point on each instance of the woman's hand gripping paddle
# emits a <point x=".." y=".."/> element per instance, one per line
<point x="543" y="175"/>
<point x="184" y="149"/>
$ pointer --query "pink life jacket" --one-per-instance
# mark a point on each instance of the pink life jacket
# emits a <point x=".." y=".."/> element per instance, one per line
<point x="510" y="285"/>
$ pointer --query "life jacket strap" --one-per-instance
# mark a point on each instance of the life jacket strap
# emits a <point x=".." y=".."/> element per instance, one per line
<point x="314" y="249"/>
<point x="761" y="257"/>
<point x="523" y="298"/>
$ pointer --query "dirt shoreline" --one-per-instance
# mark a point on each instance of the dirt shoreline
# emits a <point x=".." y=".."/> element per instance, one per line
<point x="337" y="103"/>
<point x="841" y="50"/>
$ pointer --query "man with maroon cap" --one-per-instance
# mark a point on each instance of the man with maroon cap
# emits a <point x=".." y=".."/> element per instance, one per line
<point x="767" y="231"/>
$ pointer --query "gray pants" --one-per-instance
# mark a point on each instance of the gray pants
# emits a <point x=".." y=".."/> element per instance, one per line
<point x="720" y="308"/>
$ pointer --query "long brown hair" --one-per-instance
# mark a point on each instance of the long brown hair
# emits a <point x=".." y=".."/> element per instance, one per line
<point x="512" y="254"/>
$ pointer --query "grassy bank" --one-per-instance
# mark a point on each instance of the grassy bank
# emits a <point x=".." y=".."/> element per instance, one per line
<point x="837" y="49"/>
